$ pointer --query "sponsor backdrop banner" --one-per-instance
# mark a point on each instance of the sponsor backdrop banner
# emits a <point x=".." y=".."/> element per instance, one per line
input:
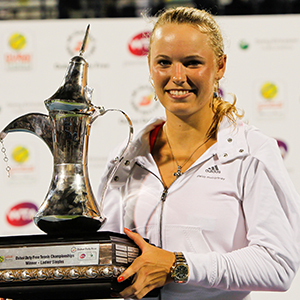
<point x="262" y="71"/>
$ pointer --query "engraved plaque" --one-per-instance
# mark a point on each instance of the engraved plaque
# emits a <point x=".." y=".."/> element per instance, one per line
<point x="52" y="267"/>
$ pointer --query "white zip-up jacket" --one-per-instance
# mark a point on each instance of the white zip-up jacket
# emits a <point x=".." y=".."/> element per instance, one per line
<point x="234" y="213"/>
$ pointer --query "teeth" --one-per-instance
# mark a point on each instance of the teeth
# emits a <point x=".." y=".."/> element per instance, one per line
<point x="178" y="92"/>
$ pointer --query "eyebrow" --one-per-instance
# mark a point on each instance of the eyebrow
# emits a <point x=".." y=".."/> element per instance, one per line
<point x="186" y="57"/>
<point x="194" y="57"/>
<point x="161" y="56"/>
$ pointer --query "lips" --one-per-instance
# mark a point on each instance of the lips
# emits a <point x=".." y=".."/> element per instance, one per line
<point x="178" y="92"/>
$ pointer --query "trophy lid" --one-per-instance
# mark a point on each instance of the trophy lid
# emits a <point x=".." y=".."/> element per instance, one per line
<point x="74" y="94"/>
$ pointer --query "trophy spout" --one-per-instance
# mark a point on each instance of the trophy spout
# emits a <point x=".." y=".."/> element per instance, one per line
<point x="35" y="123"/>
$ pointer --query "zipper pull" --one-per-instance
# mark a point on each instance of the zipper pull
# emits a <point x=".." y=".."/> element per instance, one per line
<point x="164" y="195"/>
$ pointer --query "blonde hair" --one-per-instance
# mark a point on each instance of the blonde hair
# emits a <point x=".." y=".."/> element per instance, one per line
<point x="206" y="24"/>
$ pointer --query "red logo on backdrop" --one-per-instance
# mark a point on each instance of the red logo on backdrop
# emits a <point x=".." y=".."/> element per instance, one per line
<point x="139" y="44"/>
<point x="75" y="42"/>
<point x="82" y="256"/>
<point x="21" y="214"/>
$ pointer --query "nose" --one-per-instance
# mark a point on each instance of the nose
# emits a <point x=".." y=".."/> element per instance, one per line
<point x="178" y="76"/>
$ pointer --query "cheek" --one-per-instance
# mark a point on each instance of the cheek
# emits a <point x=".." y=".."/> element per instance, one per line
<point x="160" y="78"/>
<point x="206" y="77"/>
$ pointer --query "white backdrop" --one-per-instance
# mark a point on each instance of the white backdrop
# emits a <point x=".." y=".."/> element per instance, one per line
<point x="263" y="72"/>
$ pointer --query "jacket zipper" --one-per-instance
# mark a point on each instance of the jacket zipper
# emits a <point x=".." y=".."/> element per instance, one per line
<point x="163" y="199"/>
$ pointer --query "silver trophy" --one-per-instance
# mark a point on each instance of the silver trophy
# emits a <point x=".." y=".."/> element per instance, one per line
<point x="69" y="206"/>
<point x="73" y="260"/>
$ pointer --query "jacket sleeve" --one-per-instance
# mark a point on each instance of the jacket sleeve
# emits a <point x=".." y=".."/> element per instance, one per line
<point x="271" y="208"/>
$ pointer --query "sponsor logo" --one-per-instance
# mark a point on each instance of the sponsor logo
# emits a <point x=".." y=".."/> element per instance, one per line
<point x="20" y="154"/>
<point x="21" y="214"/>
<point x="17" y="41"/>
<point x="74" y="43"/>
<point x="5" y="258"/>
<point x="244" y="45"/>
<point x="271" y="99"/>
<point x="214" y="169"/>
<point x="17" y="55"/>
<point x="277" y="43"/>
<point x="269" y="90"/>
<point x="82" y="256"/>
<point x="283" y="148"/>
<point x="139" y="44"/>
<point x="22" y="163"/>
<point x="143" y="100"/>
<point x="212" y="173"/>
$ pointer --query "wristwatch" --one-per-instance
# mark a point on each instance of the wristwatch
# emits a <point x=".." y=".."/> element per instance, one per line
<point x="180" y="269"/>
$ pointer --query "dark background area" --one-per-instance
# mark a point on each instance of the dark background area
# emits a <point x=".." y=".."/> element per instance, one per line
<point x="62" y="9"/>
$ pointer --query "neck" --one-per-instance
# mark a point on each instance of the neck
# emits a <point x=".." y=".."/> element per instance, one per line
<point x="187" y="132"/>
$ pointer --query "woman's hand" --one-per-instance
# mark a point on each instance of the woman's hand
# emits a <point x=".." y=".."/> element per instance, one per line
<point x="150" y="270"/>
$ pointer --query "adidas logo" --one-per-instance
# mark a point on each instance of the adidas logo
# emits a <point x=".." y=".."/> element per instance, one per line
<point x="213" y="169"/>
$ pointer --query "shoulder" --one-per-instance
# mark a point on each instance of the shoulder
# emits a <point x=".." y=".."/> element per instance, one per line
<point x="120" y="162"/>
<point x="260" y="145"/>
<point x="140" y="141"/>
<point x="238" y="139"/>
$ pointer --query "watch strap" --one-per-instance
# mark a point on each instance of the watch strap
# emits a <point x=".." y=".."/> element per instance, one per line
<point x="180" y="269"/>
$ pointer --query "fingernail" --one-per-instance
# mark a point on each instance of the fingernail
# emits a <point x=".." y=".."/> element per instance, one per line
<point x="120" y="279"/>
<point x="114" y="295"/>
<point x="127" y="229"/>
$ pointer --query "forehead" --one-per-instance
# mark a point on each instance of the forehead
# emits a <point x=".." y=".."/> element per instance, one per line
<point x="179" y="36"/>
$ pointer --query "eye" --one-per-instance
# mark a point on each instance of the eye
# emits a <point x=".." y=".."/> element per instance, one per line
<point x="164" y="62"/>
<point x="193" y="63"/>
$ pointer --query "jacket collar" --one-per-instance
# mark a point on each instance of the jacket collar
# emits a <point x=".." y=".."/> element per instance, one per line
<point x="231" y="144"/>
<point x="231" y="140"/>
<point x="139" y="150"/>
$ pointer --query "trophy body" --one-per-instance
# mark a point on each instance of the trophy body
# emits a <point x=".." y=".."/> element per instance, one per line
<point x="69" y="204"/>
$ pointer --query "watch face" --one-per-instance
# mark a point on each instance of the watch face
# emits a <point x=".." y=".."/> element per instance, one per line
<point x="181" y="272"/>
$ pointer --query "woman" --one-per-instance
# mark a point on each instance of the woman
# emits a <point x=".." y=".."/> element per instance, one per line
<point x="200" y="182"/>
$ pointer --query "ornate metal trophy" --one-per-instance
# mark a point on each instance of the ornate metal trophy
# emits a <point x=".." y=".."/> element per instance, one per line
<point x="72" y="257"/>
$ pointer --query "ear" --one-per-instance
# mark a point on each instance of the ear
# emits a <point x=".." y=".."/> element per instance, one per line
<point x="221" y="67"/>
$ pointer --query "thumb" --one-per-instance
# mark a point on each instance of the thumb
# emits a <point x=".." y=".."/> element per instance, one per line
<point x="139" y="241"/>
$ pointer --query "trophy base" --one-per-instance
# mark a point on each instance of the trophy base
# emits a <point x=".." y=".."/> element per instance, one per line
<point x="97" y="290"/>
<point x="52" y="267"/>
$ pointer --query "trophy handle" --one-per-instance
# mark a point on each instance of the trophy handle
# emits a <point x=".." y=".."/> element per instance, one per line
<point x="118" y="159"/>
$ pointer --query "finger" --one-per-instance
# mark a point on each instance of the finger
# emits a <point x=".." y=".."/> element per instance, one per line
<point x="132" y="292"/>
<point x="115" y="295"/>
<point x="134" y="278"/>
<point x="129" y="292"/>
<point x="139" y="241"/>
<point x="142" y="284"/>
<point x="144" y="292"/>
<point x="135" y="293"/>
<point x="130" y="271"/>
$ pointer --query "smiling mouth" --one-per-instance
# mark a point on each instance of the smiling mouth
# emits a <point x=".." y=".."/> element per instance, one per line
<point x="178" y="92"/>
